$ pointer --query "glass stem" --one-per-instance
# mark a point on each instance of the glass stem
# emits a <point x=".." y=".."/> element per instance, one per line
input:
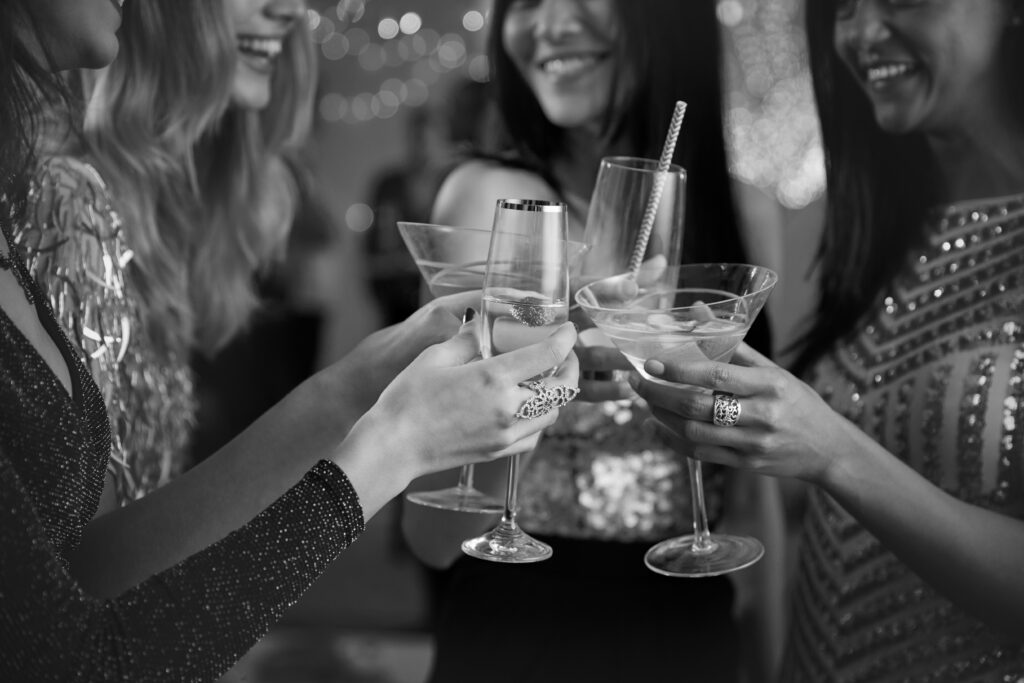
<point x="702" y="542"/>
<point x="466" y="478"/>
<point x="508" y="517"/>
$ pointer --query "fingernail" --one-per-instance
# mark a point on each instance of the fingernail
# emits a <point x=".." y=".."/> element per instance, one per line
<point x="655" y="367"/>
<point x="468" y="315"/>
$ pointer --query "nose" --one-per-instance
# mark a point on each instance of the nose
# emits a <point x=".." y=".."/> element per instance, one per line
<point x="285" y="10"/>
<point x="557" y="18"/>
<point x="865" y="27"/>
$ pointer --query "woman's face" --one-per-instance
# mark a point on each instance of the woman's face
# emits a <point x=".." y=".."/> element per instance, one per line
<point x="564" y="50"/>
<point x="925" y="65"/>
<point x="76" y="34"/>
<point x="261" y="27"/>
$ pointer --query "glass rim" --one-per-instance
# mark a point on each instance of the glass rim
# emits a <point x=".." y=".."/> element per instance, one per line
<point x="538" y="205"/>
<point x="441" y="226"/>
<point x="772" y="280"/>
<point x="640" y="164"/>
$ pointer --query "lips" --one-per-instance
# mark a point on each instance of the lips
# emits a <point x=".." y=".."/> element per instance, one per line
<point x="568" y="65"/>
<point x="260" y="47"/>
<point x="880" y="74"/>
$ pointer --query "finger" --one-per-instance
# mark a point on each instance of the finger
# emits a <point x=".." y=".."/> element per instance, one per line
<point x="735" y="379"/>
<point x="679" y="399"/>
<point x="749" y="356"/>
<point x="537" y="359"/>
<point x="703" y="433"/>
<point x="459" y="350"/>
<point x="651" y="270"/>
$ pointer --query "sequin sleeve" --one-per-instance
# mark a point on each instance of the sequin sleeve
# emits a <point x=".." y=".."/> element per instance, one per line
<point x="189" y="623"/>
<point x="74" y="244"/>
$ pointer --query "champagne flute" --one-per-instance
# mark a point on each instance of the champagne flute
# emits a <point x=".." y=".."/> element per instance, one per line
<point x="694" y="313"/>
<point x="526" y="292"/>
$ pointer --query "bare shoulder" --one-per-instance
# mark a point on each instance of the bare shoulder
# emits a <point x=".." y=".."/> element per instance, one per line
<point x="468" y="194"/>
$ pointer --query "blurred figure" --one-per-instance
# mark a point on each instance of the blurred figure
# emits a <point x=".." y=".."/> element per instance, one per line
<point x="574" y="82"/>
<point x="910" y="425"/>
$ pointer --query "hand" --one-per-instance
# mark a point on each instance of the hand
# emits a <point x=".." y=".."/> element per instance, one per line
<point x="784" y="429"/>
<point x="599" y="361"/>
<point x="444" y="411"/>
<point x="374" y="363"/>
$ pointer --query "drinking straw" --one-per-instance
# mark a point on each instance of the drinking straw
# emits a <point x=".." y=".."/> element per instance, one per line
<point x="667" y="152"/>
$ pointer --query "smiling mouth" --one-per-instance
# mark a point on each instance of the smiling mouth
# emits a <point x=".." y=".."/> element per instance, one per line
<point x="569" y="65"/>
<point x="880" y="75"/>
<point x="260" y="47"/>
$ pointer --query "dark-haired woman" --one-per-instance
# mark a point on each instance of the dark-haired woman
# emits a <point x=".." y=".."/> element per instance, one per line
<point x="912" y="424"/>
<point x="576" y="81"/>
<point x="189" y="619"/>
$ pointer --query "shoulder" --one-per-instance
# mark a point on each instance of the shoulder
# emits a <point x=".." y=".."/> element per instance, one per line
<point x="467" y="196"/>
<point x="69" y="197"/>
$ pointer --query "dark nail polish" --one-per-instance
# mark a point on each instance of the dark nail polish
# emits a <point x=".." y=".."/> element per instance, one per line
<point x="468" y="315"/>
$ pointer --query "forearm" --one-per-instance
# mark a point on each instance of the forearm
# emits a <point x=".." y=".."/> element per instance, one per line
<point x="972" y="556"/>
<point x="215" y="498"/>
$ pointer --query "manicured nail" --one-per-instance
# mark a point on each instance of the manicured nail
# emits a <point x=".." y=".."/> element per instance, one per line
<point x="655" y="367"/>
<point x="468" y="315"/>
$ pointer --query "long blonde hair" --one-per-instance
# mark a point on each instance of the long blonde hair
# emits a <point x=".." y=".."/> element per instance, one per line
<point x="202" y="186"/>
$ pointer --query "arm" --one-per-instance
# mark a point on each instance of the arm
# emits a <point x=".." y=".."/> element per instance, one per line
<point x="256" y="467"/>
<point x="971" y="555"/>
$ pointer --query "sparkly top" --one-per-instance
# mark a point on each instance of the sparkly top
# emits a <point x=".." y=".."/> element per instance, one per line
<point x="188" y="623"/>
<point x="937" y="377"/>
<point x="600" y="473"/>
<point x="75" y="245"/>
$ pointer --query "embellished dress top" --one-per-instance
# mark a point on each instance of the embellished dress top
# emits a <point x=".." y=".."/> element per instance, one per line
<point x="187" y="623"/>
<point x="936" y="375"/>
<point x="75" y="245"/>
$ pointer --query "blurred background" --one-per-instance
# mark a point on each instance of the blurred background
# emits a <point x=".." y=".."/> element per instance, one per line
<point x="402" y="93"/>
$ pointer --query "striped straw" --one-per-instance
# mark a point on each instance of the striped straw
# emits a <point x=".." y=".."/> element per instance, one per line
<point x="667" y="152"/>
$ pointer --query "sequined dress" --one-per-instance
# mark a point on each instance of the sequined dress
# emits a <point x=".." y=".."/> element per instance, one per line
<point x="187" y="623"/>
<point x="75" y="245"/>
<point x="937" y="377"/>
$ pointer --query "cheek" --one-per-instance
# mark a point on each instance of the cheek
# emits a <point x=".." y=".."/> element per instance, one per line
<point x="518" y="41"/>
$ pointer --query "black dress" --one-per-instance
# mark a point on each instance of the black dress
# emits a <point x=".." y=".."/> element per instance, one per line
<point x="187" y="623"/>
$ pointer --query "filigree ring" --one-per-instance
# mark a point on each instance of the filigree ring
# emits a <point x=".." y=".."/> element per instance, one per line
<point x="727" y="410"/>
<point x="545" y="399"/>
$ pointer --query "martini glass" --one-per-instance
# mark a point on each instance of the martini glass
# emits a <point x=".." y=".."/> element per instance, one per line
<point x="453" y="259"/>
<point x="691" y="313"/>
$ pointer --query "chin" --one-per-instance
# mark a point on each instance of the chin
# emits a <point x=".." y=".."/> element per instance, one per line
<point x="250" y="98"/>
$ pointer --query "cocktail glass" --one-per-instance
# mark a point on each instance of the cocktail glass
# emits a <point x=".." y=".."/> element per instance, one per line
<point x="690" y="313"/>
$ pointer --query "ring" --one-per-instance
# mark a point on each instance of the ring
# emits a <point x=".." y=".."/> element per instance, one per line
<point x="545" y="399"/>
<point x="727" y="410"/>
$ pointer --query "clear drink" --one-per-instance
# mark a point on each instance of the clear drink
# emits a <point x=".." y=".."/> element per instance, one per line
<point x="674" y="340"/>
<point x="446" y="279"/>
<point x="513" y="319"/>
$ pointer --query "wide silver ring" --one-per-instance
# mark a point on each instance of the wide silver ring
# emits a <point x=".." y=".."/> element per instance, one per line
<point x="545" y="399"/>
<point x="727" y="410"/>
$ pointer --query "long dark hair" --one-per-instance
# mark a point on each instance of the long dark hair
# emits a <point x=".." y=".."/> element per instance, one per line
<point x="880" y="188"/>
<point x="29" y="89"/>
<point x="672" y="48"/>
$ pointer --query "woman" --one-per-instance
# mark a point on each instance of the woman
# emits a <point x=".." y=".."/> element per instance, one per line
<point x="574" y="82"/>
<point x="189" y="619"/>
<point x="910" y="426"/>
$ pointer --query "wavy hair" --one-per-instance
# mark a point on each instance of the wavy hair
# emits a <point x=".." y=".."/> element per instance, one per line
<point x="665" y="47"/>
<point x="880" y="188"/>
<point x="202" y="186"/>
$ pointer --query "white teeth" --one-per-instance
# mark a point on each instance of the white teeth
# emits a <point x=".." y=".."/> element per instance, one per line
<point x="879" y="74"/>
<point x="261" y="47"/>
<point x="561" y="66"/>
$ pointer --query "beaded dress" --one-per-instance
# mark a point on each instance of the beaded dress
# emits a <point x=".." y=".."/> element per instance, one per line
<point x="75" y="246"/>
<point x="187" y="623"/>
<point x="936" y="375"/>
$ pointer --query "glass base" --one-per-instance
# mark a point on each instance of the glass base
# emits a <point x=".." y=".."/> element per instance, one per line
<point x="724" y="554"/>
<point x="507" y="543"/>
<point x="457" y="499"/>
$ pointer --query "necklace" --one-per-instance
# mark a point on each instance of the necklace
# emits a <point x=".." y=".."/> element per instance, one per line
<point x="7" y="262"/>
